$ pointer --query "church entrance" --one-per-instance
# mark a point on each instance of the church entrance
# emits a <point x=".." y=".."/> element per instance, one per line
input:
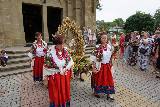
<point x="54" y="18"/>
<point x="32" y="21"/>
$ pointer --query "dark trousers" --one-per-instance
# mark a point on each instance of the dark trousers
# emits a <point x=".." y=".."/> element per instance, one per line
<point x="3" y="61"/>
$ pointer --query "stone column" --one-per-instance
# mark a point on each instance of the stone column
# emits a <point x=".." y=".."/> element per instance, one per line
<point x="90" y="15"/>
<point x="94" y="16"/>
<point x="70" y="9"/>
<point x="2" y="36"/>
<point x="10" y="21"/>
<point x="5" y="20"/>
<point x="83" y="13"/>
<point x="78" y="14"/>
<point x="44" y="24"/>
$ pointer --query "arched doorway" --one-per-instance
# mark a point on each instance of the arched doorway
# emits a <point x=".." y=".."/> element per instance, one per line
<point x="32" y="21"/>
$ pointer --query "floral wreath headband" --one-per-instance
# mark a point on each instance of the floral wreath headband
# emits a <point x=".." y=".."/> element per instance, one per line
<point x="58" y="39"/>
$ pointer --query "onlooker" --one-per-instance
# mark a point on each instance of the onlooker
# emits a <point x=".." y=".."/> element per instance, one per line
<point x="94" y="38"/>
<point x="3" y="58"/>
<point x="89" y="36"/>
<point x="121" y="44"/>
<point x="85" y="34"/>
<point x="143" y="53"/>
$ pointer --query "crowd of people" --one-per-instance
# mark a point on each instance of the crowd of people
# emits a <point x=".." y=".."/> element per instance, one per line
<point x="142" y="49"/>
<point x="89" y="36"/>
<point x="53" y="65"/>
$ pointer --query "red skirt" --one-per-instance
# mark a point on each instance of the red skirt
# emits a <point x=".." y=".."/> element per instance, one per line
<point x="121" y="51"/>
<point x="38" y="69"/>
<point x="59" y="90"/>
<point x="102" y="82"/>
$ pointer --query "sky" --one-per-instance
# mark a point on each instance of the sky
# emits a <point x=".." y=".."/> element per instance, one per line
<point x="112" y="9"/>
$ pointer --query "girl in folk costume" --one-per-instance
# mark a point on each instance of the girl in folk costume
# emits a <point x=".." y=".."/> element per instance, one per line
<point x="102" y="80"/>
<point x="38" y="50"/>
<point x="121" y="44"/>
<point x="57" y="70"/>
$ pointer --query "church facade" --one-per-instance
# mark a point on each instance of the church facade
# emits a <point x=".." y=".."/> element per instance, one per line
<point x="20" y="19"/>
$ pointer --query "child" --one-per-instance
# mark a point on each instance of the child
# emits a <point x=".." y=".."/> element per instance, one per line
<point x="3" y="58"/>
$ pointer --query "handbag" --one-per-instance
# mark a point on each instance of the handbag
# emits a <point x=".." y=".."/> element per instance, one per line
<point x="143" y="50"/>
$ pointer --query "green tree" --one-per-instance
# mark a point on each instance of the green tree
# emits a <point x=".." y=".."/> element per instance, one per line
<point x="119" y="22"/>
<point x="101" y="25"/>
<point x="157" y="18"/>
<point x="105" y="26"/>
<point x="98" y="5"/>
<point x="139" y="22"/>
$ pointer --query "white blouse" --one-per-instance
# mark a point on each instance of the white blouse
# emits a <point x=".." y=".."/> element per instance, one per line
<point x="40" y="52"/>
<point x="107" y="55"/>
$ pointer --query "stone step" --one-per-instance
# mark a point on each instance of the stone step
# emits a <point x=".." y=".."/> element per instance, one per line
<point x="16" y="52"/>
<point x="88" y="51"/>
<point x="13" y="67"/>
<point x="18" y="60"/>
<point x="89" y="48"/>
<point x="20" y="55"/>
<point x="7" y="73"/>
<point x="87" y="55"/>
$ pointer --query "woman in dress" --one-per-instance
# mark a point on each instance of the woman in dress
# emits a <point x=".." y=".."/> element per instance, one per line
<point x="157" y="54"/>
<point x="57" y="70"/>
<point x="121" y="44"/>
<point x="115" y="44"/>
<point x="102" y="80"/>
<point x="127" y="48"/>
<point x="133" y="51"/>
<point x="39" y="50"/>
<point x="143" y="54"/>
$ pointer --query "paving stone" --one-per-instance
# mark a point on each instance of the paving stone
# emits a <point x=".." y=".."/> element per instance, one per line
<point x="133" y="89"/>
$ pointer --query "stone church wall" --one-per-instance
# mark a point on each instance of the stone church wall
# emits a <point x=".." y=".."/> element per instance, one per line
<point x="11" y="17"/>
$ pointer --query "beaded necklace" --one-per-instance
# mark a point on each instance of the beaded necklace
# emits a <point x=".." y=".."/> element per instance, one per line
<point x="60" y="54"/>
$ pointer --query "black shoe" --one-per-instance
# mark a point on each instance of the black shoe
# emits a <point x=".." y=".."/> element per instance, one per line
<point x="110" y="99"/>
<point x="157" y="76"/>
<point x="142" y="69"/>
<point x="96" y="95"/>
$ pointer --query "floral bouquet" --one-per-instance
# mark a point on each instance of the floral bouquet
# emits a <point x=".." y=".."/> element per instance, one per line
<point x="99" y="56"/>
<point x="79" y="63"/>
